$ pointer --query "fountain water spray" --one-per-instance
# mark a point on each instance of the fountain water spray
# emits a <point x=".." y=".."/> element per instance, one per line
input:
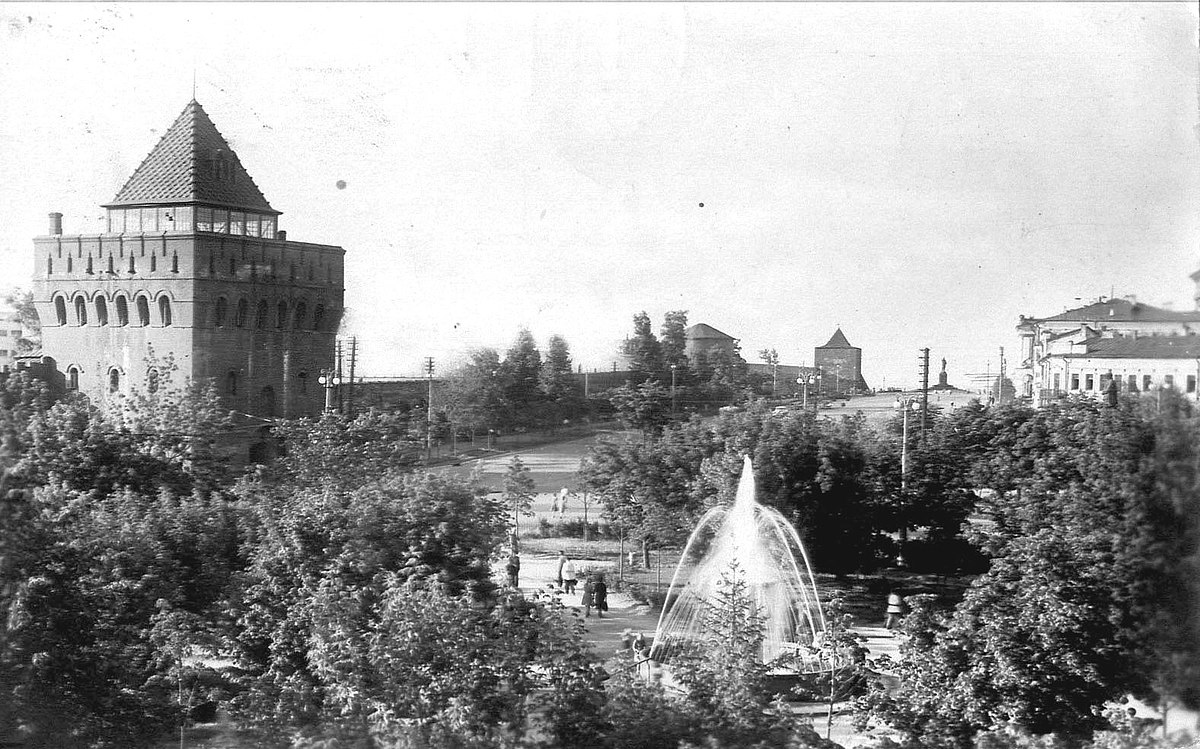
<point x="765" y="551"/>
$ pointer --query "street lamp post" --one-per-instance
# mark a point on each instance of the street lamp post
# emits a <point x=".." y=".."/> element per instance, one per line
<point x="904" y="405"/>
<point x="804" y="381"/>
<point x="330" y="382"/>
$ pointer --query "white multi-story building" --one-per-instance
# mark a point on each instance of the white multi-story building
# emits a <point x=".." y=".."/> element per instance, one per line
<point x="1081" y="351"/>
<point x="11" y="332"/>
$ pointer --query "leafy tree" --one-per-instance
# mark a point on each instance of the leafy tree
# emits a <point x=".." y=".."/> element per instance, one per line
<point x="646" y="407"/>
<point x="1078" y="606"/>
<point x="522" y="370"/>
<point x="519" y="490"/>
<point x="722" y="376"/>
<point x="84" y="590"/>
<point x="325" y="545"/>
<point x="22" y="304"/>
<point x="643" y="350"/>
<point x="770" y="357"/>
<point x="170" y="437"/>
<point x="477" y="396"/>
<point x="342" y="450"/>
<point x="673" y="338"/>
<point x="725" y="678"/>
<point x="557" y="382"/>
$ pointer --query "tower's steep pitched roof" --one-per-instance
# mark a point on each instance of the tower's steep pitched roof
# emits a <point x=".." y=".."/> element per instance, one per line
<point x="192" y="163"/>
<point x="837" y="341"/>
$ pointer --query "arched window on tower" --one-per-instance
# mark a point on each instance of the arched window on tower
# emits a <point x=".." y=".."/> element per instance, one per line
<point x="114" y="380"/>
<point x="281" y="315"/>
<point x="152" y="379"/>
<point x="132" y="267"/>
<point x="60" y="310"/>
<point x="318" y="317"/>
<point x="153" y="262"/>
<point x="49" y="265"/>
<point x="260" y="316"/>
<point x="101" y="310"/>
<point x="232" y="266"/>
<point x="80" y="311"/>
<point x="73" y="378"/>
<point x="143" y="310"/>
<point x="122" y="309"/>
<point x="220" y="312"/>
<point x="174" y="263"/>
<point x="164" y="311"/>
<point x="299" y="318"/>
<point x="110" y="265"/>
<point x="243" y="308"/>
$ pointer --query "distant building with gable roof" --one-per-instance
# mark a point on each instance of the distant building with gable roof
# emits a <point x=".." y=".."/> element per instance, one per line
<point x="1083" y="350"/>
<point x="706" y="339"/>
<point x="840" y="366"/>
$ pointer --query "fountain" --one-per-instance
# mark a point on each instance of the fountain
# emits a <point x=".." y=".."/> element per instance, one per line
<point x="765" y="551"/>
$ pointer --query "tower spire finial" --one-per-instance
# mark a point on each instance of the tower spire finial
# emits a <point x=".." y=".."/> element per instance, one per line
<point x="193" y="83"/>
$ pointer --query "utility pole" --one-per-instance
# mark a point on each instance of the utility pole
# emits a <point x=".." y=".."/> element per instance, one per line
<point x="429" y="415"/>
<point x="338" y="374"/>
<point x="1000" y="379"/>
<point x="350" y="389"/>
<point x="924" y="391"/>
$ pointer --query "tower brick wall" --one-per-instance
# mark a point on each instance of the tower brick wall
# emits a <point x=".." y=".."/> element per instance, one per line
<point x="221" y="293"/>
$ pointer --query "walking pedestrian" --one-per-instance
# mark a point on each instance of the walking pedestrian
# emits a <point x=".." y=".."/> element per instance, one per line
<point x="895" y="609"/>
<point x="514" y="569"/>
<point x="568" y="575"/>
<point x="586" y="599"/>
<point x="600" y="596"/>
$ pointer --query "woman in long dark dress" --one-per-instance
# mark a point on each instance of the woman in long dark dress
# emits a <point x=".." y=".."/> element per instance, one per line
<point x="600" y="596"/>
<point x="587" y="599"/>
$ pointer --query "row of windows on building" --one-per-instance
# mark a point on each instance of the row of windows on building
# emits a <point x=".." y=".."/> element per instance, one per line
<point x="294" y="316"/>
<point x="190" y="218"/>
<point x="266" y="396"/>
<point x="1100" y="382"/>
<point x="121" y="303"/>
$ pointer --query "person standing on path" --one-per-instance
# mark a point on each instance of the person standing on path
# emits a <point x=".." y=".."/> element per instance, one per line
<point x="600" y="596"/>
<point x="562" y="559"/>
<point x="514" y="569"/>
<point x="586" y="600"/>
<point x="895" y="609"/>
<point x="568" y="575"/>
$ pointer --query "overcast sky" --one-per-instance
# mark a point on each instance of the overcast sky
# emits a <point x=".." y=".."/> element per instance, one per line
<point x="917" y="174"/>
